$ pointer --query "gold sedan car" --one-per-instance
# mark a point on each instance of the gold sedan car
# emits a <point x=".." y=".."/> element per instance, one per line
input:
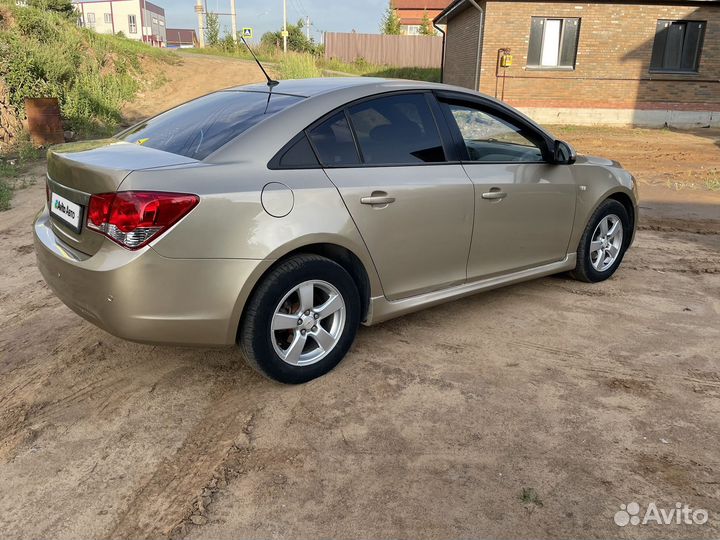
<point x="282" y="217"/>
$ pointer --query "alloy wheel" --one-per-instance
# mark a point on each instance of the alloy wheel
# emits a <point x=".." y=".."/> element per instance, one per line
<point x="308" y="323"/>
<point x="606" y="243"/>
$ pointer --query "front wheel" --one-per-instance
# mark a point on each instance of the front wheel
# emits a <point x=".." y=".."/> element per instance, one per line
<point x="603" y="243"/>
<point x="301" y="320"/>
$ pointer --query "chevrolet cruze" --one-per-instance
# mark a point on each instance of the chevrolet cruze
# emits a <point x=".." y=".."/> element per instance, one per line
<point x="282" y="217"/>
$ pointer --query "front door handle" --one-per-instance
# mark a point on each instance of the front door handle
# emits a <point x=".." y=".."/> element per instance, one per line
<point x="494" y="195"/>
<point x="378" y="198"/>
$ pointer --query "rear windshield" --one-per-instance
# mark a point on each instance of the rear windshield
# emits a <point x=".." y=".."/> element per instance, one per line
<point x="198" y="128"/>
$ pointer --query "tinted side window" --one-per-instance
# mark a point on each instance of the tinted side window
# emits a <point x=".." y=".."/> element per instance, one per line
<point x="299" y="156"/>
<point x="397" y="129"/>
<point x="490" y="138"/>
<point x="334" y="142"/>
<point x="198" y="128"/>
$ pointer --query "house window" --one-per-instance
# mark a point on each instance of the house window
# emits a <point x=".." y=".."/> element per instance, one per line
<point x="677" y="46"/>
<point x="412" y="29"/>
<point x="553" y="43"/>
<point x="108" y="18"/>
<point x="132" y="24"/>
<point x="90" y="20"/>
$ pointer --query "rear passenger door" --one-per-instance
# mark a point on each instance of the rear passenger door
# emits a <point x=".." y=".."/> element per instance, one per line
<point x="413" y="207"/>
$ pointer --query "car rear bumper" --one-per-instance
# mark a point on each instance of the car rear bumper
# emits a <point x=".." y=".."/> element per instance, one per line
<point x="143" y="296"/>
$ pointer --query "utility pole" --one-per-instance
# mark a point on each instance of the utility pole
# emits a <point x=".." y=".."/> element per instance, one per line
<point x="201" y="23"/>
<point x="285" y="32"/>
<point x="307" y="27"/>
<point x="233" y="20"/>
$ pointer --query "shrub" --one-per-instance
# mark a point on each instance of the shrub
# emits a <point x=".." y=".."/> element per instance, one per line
<point x="5" y="194"/>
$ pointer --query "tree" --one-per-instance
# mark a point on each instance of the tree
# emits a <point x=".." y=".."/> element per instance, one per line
<point x="212" y="32"/>
<point x="64" y="7"/>
<point x="297" y="40"/>
<point x="227" y="43"/>
<point x="426" y="27"/>
<point x="390" y="24"/>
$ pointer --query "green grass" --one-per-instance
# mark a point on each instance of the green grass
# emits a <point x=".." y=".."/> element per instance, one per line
<point x="11" y="169"/>
<point x="5" y="195"/>
<point x="298" y="66"/>
<point x="45" y="54"/>
<point x="7" y="171"/>
<point x="264" y="55"/>
<point x="306" y="65"/>
<point x="364" y="69"/>
<point x="713" y="184"/>
<point x="530" y="496"/>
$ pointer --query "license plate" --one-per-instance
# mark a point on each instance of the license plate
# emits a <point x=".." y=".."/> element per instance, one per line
<point x="66" y="211"/>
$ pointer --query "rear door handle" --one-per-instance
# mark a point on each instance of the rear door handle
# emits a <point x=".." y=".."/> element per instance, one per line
<point x="378" y="198"/>
<point x="494" y="195"/>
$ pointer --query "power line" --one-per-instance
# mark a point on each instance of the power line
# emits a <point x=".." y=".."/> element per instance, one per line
<point x="302" y="6"/>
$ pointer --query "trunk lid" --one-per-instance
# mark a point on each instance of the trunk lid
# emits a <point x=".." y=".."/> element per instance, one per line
<point x="78" y="170"/>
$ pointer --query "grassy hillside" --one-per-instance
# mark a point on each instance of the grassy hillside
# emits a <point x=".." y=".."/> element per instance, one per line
<point x="44" y="54"/>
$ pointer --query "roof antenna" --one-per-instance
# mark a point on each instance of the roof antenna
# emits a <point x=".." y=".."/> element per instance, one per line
<point x="270" y="82"/>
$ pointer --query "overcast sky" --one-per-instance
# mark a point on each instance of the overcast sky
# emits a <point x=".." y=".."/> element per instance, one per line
<point x="264" y="15"/>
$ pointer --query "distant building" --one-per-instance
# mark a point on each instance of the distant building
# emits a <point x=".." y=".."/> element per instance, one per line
<point x="136" y="19"/>
<point x="182" y="38"/>
<point x="411" y="13"/>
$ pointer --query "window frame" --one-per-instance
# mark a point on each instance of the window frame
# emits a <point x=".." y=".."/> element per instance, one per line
<point x="132" y="24"/>
<point x="559" y="67"/>
<point x="450" y="135"/>
<point x="107" y="18"/>
<point x="698" y="55"/>
<point x="495" y="109"/>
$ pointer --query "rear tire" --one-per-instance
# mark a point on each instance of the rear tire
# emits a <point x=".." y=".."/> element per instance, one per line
<point x="603" y="243"/>
<point x="301" y="320"/>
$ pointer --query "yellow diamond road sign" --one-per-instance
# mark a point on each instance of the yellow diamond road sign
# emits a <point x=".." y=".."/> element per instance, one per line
<point x="247" y="33"/>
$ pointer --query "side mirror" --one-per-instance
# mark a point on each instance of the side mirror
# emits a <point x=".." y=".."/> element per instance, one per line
<point x="564" y="153"/>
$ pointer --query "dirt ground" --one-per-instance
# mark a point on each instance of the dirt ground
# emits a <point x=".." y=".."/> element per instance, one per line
<point x="530" y="411"/>
<point x="194" y="76"/>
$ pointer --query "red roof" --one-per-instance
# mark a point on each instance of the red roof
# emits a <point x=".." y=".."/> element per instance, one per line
<point x="420" y="4"/>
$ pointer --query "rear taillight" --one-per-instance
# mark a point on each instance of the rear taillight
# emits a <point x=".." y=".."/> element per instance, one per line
<point x="133" y="218"/>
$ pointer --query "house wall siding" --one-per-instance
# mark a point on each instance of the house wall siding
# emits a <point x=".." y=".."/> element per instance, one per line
<point x="461" y="45"/>
<point x="613" y="58"/>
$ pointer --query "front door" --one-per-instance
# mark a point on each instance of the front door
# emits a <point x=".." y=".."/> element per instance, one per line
<point x="414" y="210"/>
<point x="524" y="206"/>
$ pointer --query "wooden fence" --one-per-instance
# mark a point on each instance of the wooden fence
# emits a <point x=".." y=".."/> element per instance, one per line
<point x="395" y="51"/>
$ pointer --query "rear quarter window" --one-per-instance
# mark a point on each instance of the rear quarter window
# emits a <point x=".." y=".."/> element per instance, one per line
<point x="198" y="128"/>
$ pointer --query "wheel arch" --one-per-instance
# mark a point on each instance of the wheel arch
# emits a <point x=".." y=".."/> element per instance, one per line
<point x="337" y="253"/>
<point x="585" y="211"/>
<point x="624" y="199"/>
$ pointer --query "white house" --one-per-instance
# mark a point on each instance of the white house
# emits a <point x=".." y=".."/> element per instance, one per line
<point x="136" y="19"/>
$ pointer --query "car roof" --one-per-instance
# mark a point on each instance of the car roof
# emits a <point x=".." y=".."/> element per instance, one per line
<point x="323" y="85"/>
